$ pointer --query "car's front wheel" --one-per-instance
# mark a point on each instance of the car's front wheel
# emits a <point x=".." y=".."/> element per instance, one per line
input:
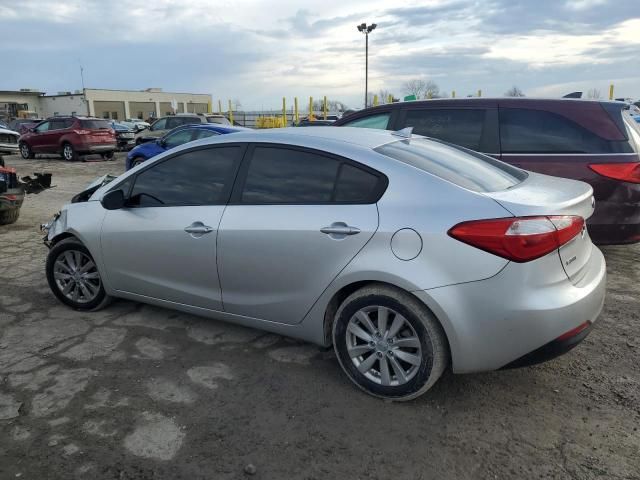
<point x="73" y="276"/>
<point x="137" y="161"/>
<point x="69" y="153"/>
<point x="25" y="151"/>
<point x="388" y="343"/>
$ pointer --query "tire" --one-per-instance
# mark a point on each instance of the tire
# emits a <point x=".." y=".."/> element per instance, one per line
<point x="8" y="217"/>
<point x="137" y="161"/>
<point x="415" y="355"/>
<point x="25" y="151"/>
<point x="1" y="161"/>
<point x="69" y="153"/>
<point x="62" y="257"/>
<point x="107" y="155"/>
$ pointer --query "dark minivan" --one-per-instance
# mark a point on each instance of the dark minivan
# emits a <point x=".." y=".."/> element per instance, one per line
<point x="584" y="140"/>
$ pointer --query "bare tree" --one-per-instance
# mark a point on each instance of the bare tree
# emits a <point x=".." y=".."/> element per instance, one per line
<point x="414" y="87"/>
<point x="593" y="93"/>
<point x="514" y="92"/>
<point x="332" y="106"/>
<point x="384" y="94"/>
<point x="431" y="89"/>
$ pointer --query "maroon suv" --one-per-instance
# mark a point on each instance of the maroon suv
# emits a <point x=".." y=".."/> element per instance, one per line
<point x="70" y="137"/>
<point x="585" y="140"/>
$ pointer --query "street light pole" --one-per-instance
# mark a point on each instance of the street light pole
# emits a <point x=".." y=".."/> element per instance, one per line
<point x="363" y="28"/>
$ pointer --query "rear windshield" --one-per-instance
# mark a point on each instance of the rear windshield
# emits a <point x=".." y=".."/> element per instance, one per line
<point x="218" y="120"/>
<point x="95" y="124"/>
<point x="458" y="165"/>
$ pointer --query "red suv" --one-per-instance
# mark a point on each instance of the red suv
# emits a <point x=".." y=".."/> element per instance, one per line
<point x="71" y="137"/>
<point x="592" y="141"/>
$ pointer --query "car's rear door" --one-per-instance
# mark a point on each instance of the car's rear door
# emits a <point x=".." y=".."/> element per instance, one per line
<point x="163" y="243"/>
<point x="469" y="124"/>
<point x="296" y="218"/>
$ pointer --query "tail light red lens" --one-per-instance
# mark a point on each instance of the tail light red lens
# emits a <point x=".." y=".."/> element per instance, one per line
<point x="82" y="132"/>
<point x="520" y="239"/>
<point x="627" y="172"/>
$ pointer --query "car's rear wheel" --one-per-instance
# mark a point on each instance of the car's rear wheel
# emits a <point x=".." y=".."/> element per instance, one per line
<point x="388" y="343"/>
<point x="73" y="276"/>
<point x="9" y="216"/>
<point x="69" y="153"/>
<point x="25" y="151"/>
<point x="107" y="155"/>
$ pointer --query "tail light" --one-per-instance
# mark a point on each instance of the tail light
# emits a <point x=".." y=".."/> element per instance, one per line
<point x="82" y="132"/>
<point x="627" y="172"/>
<point x="520" y="239"/>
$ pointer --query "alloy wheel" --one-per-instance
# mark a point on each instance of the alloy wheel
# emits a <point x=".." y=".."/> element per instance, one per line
<point x="76" y="276"/>
<point x="24" y="150"/>
<point x="383" y="346"/>
<point x="67" y="152"/>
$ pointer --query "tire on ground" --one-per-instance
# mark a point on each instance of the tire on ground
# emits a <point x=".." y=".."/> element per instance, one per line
<point x="433" y="341"/>
<point x="9" y="216"/>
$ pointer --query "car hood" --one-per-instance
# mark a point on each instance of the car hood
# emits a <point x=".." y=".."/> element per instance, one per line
<point x="9" y="132"/>
<point x="89" y="190"/>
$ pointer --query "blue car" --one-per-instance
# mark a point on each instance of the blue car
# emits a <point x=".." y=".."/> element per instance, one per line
<point x="175" y="137"/>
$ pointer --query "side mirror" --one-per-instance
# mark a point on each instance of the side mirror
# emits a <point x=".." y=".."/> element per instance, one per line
<point x="161" y="142"/>
<point x="114" y="200"/>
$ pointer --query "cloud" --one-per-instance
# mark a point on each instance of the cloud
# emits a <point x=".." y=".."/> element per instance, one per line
<point x="261" y="51"/>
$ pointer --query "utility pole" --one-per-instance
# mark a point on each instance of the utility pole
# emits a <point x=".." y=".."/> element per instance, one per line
<point x="363" y="28"/>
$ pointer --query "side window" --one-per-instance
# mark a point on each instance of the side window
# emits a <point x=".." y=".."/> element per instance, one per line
<point x="68" y="123"/>
<point x="178" y="138"/>
<point x="204" y="134"/>
<point x="197" y="177"/>
<point x="43" y="127"/>
<point x="355" y="185"/>
<point x="56" y="124"/>
<point x="188" y="120"/>
<point x="280" y="175"/>
<point x="159" y="125"/>
<point x="538" y="131"/>
<point x="379" y="121"/>
<point x="462" y="127"/>
<point x="173" y="122"/>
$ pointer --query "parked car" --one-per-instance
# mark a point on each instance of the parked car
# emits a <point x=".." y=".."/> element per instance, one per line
<point x="22" y="125"/>
<point x="314" y="123"/>
<point x="71" y="137"/>
<point x="406" y="254"/>
<point x="584" y="140"/>
<point x="217" y="118"/>
<point x="11" y="196"/>
<point x="175" y="137"/>
<point x="3" y="125"/>
<point x="125" y="136"/>
<point x="8" y="143"/>
<point x="136" y="124"/>
<point x="165" y="124"/>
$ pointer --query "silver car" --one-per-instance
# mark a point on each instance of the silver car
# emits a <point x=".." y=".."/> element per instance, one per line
<point x="407" y="254"/>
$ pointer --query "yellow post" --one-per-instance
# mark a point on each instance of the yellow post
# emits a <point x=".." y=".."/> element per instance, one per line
<point x="479" y="93"/>
<point x="611" y="92"/>
<point x="220" y="107"/>
<point x="209" y="107"/>
<point x="230" y="113"/>
<point x="375" y="100"/>
<point x="311" y="109"/>
<point x="284" y="112"/>
<point x="295" y="110"/>
<point x="324" y="107"/>
<point x="390" y="98"/>
<point x="453" y="94"/>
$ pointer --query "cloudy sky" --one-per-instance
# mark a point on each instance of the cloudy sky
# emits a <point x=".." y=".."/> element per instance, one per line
<point x="260" y="51"/>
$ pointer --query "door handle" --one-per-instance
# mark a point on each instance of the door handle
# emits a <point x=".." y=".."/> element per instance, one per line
<point x="340" y="228"/>
<point x="197" y="229"/>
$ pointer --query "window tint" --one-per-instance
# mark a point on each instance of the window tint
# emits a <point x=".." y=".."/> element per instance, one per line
<point x="95" y="124"/>
<point x="198" y="177"/>
<point x="56" y="124"/>
<point x="178" y="138"/>
<point x="462" y="167"/>
<point x="462" y="127"/>
<point x="355" y="185"/>
<point x="278" y="175"/>
<point x="379" y="121"/>
<point x="204" y="134"/>
<point x="537" y="131"/>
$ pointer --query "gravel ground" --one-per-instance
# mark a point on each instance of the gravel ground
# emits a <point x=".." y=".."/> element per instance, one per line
<point x="141" y="392"/>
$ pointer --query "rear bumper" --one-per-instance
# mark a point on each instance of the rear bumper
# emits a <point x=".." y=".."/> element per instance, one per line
<point x="98" y="148"/>
<point x="494" y="322"/>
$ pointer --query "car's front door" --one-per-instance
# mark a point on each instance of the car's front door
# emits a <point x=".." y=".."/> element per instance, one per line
<point x="38" y="140"/>
<point x="295" y="220"/>
<point x="163" y="243"/>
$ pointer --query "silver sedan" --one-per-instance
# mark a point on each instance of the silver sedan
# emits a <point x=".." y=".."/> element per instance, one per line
<point x="409" y="255"/>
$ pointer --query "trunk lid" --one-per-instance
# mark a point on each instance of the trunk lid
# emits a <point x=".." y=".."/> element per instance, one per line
<point x="545" y="195"/>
